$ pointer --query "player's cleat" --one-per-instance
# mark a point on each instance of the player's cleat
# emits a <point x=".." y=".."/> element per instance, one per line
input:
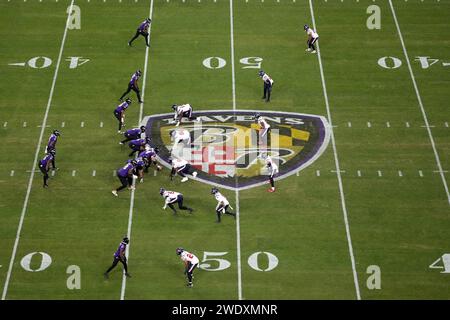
<point x="263" y="97"/>
<point x="45" y="185"/>
<point x="131" y="188"/>
<point x="308" y="50"/>
<point x="178" y="123"/>
<point x="56" y="168"/>
<point x="121" y="142"/>
<point x="194" y="174"/>
<point x="314" y="51"/>
<point x="105" y="275"/>
<point x="141" y="101"/>
<point x="129" y="44"/>
<point x="271" y="190"/>
<point x="184" y="179"/>
<point x="190" y="210"/>
<point x="114" y="192"/>
<point x="127" y="275"/>
<point x="190" y="285"/>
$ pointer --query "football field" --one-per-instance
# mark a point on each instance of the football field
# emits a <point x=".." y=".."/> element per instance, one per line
<point x="362" y="204"/>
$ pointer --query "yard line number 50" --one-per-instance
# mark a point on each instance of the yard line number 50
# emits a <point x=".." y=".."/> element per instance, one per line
<point x="247" y="62"/>
<point x="210" y="258"/>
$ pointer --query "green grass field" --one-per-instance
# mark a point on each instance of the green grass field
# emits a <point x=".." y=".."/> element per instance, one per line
<point x="379" y="198"/>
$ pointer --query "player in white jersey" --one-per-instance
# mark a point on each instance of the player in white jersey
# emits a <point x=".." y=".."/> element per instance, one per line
<point x="264" y="126"/>
<point x="268" y="84"/>
<point x="182" y="111"/>
<point x="312" y="38"/>
<point x="190" y="263"/>
<point x="182" y="167"/>
<point x="172" y="197"/>
<point x="222" y="204"/>
<point x="180" y="136"/>
<point x="272" y="167"/>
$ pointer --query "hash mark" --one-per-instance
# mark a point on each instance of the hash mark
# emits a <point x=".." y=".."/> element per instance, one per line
<point x="359" y="173"/>
<point x="74" y="173"/>
<point x="369" y="125"/>
<point x="421" y="173"/>
<point x="101" y="124"/>
<point x="5" y="124"/>
<point x="24" y="124"/>
<point x="407" y="124"/>
<point x="317" y="173"/>
<point x="53" y="173"/>
<point x="400" y="173"/>
<point x="349" y="124"/>
<point x="388" y="124"/>
<point x="446" y="124"/>
<point x="93" y="173"/>
<point x="63" y="124"/>
<point x="82" y="124"/>
<point x="379" y="173"/>
<point x="12" y="173"/>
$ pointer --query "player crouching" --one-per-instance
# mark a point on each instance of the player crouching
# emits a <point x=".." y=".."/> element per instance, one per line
<point x="222" y="204"/>
<point x="183" y="111"/>
<point x="172" y="197"/>
<point x="190" y="263"/>
<point x="182" y="168"/>
<point x="312" y="38"/>
<point x="149" y="157"/>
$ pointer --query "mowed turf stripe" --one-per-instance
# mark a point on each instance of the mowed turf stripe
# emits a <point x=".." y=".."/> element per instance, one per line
<point x="141" y="111"/>
<point x="30" y="181"/>
<point x="422" y="108"/>
<point x="338" y="171"/>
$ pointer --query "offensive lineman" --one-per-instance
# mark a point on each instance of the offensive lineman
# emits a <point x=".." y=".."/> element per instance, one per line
<point x="268" y="84"/>
<point x="119" y="113"/>
<point x="149" y="157"/>
<point x="119" y="255"/>
<point x="142" y="30"/>
<point x="182" y="167"/>
<point x="312" y="38"/>
<point x="190" y="263"/>
<point x="222" y="204"/>
<point x="133" y="134"/>
<point x="182" y="111"/>
<point x="272" y="167"/>
<point x="133" y="85"/>
<point x="172" y="197"/>
<point x="126" y="175"/>
<point x="138" y="145"/>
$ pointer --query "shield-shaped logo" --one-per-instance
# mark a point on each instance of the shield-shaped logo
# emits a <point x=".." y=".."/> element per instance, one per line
<point x="229" y="148"/>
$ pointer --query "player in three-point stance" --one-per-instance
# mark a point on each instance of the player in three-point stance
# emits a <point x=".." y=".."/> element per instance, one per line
<point x="138" y="145"/>
<point x="222" y="204"/>
<point x="268" y="84"/>
<point x="142" y="30"/>
<point x="149" y="157"/>
<point x="133" y="134"/>
<point x="44" y="165"/>
<point x="190" y="263"/>
<point x="119" y="113"/>
<point x="51" y="146"/>
<point x="172" y="197"/>
<point x="133" y="85"/>
<point x="312" y="38"/>
<point x="272" y="167"/>
<point x="182" y="168"/>
<point x="119" y="256"/>
<point x="126" y="174"/>
<point x="183" y="111"/>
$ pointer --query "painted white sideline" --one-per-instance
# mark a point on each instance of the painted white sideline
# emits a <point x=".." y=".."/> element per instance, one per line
<point x="336" y="160"/>
<point x="141" y="110"/>
<point x="238" y="228"/>
<point x="36" y="154"/>
<point x="422" y="109"/>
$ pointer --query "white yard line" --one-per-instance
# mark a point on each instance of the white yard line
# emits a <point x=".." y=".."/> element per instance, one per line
<point x="422" y="109"/>
<point x="336" y="160"/>
<point x="141" y="111"/>
<point x="36" y="154"/>
<point x="238" y="229"/>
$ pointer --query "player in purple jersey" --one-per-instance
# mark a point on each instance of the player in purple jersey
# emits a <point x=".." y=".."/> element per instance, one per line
<point x="51" y="146"/>
<point x="138" y="145"/>
<point x="44" y="165"/>
<point x="132" y="134"/>
<point x="133" y="85"/>
<point x="119" y="113"/>
<point x="149" y="157"/>
<point x="119" y="256"/>
<point x="142" y="30"/>
<point x="126" y="175"/>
